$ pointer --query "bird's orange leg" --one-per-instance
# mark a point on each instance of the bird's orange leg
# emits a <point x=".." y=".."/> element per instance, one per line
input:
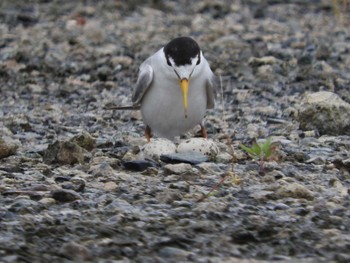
<point x="204" y="132"/>
<point x="148" y="134"/>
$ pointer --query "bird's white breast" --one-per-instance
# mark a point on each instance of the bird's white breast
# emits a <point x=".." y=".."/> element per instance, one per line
<point x="162" y="106"/>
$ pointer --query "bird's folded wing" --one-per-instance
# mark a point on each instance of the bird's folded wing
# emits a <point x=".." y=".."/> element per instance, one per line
<point x="212" y="88"/>
<point x="143" y="83"/>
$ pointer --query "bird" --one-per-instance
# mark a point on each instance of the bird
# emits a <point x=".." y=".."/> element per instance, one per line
<point x="174" y="88"/>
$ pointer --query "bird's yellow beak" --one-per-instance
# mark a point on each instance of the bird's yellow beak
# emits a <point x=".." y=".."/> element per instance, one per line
<point x="184" y="89"/>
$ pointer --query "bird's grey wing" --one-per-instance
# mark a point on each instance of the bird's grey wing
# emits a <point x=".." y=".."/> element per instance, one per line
<point x="144" y="81"/>
<point x="212" y="87"/>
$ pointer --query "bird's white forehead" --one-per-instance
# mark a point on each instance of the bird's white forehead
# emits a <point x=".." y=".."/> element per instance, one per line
<point x="184" y="71"/>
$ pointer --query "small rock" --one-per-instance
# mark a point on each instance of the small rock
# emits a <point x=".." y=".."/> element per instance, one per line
<point x="85" y="140"/>
<point x="188" y="157"/>
<point x="121" y="206"/>
<point x="261" y="195"/>
<point x="64" y="152"/>
<point x="257" y="62"/>
<point x="294" y="190"/>
<point x="95" y="32"/>
<point x="8" y="146"/>
<point x="209" y="168"/>
<point x="71" y="25"/>
<point x="140" y="165"/>
<point x="121" y="60"/>
<point x="323" y="67"/>
<point x="63" y="195"/>
<point x="47" y="201"/>
<point x="24" y="206"/>
<point x="265" y="72"/>
<point x="339" y="187"/>
<point x="169" y="196"/>
<point x="256" y="131"/>
<point x="174" y="253"/>
<point x="104" y="72"/>
<point x="76" y="184"/>
<point x="326" y="112"/>
<point x="102" y="169"/>
<point x="224" y="157"/>
<point x="199" y="145"/>
<point x="76" y="252"/>
<point x="110" y="186"/>
<point x="316" y="160"/>
<point x="281" y="206"/>
<point x="179" y="168"/>
<point x="157" y="147"/>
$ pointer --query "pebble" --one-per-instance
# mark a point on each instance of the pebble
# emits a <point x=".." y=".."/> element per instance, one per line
<point x="210" y="168"/>
<point x="174" y="253"/>
<point x="76" y="252"/>
<point x="294" y="190"/>
<point x="64" y="152"/>
<point x="186" y="157"/>
<point x="85" y="140"/>
<point x="257" y="62"/>
<point x="76" y="184"/>
<point x="110" y="186"/>
<point x="63" y="195"/>
<point x="177" y="168"/>
<point x="25" y="206"/>
<point x="8" y="146"/>
<point x="47" y="201"/>
<point x="103" y="169"/>
<point x="224" y="157"/>
<point x="140" y="165"/>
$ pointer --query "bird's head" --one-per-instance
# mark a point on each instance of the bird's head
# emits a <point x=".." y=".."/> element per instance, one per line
<point x="183" y="55"/>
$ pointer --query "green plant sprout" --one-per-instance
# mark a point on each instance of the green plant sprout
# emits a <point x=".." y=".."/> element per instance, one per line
<point x="262" y="152"/>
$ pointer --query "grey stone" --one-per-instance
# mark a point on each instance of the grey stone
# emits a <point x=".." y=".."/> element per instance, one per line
<point x="186" y="157"/>
<point x="85" y="140"/>
<point x="177" y="168"/>
<point x="64" y="152"/>
<point x="76" y="252"/>
<point x="294" y="190"/>
<point x="140" y="165"/>
<point x="325" y="112"/>
<point x="8" y="146"/>
<point x="63" y="195"/>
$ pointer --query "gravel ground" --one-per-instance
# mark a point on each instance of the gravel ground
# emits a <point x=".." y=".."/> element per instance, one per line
<point x="67" y="194"/>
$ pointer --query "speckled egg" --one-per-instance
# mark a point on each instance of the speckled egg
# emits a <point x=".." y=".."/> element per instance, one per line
<point x="156" y="147"/>
<point x="199" y="145"/>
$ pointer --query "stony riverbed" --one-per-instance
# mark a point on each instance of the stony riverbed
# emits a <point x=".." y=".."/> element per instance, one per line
<point x="74" y="186"/>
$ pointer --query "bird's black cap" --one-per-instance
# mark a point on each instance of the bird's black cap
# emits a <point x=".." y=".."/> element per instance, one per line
<point x="182" y="50"/>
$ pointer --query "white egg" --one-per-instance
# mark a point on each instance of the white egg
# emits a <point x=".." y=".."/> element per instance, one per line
<point x="199" y="145"/>
<point x="156" y="147"/>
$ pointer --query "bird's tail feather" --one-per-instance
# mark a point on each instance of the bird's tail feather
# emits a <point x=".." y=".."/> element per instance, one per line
<point x="131" y="107"/>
